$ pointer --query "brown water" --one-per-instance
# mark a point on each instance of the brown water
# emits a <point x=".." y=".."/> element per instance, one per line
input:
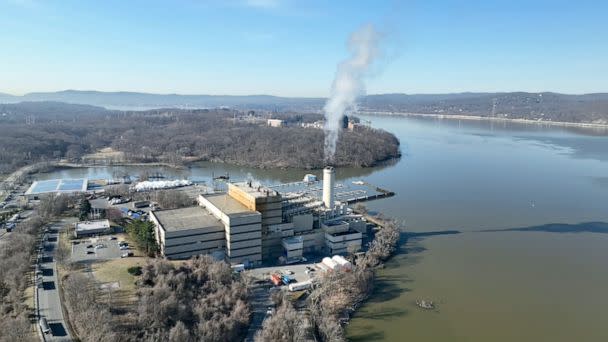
<point x="480" y="203"/>
<point x="506" y="227"/>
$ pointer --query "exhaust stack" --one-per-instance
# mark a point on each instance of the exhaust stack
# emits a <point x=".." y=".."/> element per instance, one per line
<point x="328" y="186"/>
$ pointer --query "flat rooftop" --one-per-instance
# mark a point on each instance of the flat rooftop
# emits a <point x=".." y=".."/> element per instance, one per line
<point x="343" y="191"/>
<point x="228" y="205"/>
<point x="186" y="218"/>
<point x="92" y="225"/>
<point x="293" y="240"/>
<point x="255" y="190"/>
<point x="58" y="185"/>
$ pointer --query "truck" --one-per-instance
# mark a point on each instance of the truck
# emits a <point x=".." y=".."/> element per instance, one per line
<point x="276" y="279"/>
<point x="303" y="285"/>
<point x="238" y="268"/>
<point x="14" y="218"/>
<point x="286" y="279"/>
<point x="141" y="204"/>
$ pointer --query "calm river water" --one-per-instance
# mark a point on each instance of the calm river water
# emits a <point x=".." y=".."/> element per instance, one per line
<point x="507" y="228"/>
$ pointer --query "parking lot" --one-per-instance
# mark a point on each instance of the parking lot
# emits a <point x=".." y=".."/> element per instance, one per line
<point x="299" y="271"/>
<point x="95" y="249"/>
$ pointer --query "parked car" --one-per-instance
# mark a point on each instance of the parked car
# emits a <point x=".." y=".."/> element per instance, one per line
<point x="123" y="248"/>
<point x="89" y="246"/>
<point x="44" y="325"/>
<point x="90" y="252"/>
<point x="126" y="254"/>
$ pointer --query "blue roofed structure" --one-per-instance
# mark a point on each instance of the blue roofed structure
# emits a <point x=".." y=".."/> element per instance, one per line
<point x="57" y="186"/>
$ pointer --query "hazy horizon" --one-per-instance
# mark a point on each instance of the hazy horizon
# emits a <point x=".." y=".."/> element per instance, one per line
<point x="296" y="96"/>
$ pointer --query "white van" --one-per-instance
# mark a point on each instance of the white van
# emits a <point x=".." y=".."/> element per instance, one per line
<point x="44" y="325"/>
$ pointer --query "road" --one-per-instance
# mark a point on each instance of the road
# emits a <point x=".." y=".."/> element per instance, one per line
<point x="48" y="293"/>
<point x="260" y="302"/>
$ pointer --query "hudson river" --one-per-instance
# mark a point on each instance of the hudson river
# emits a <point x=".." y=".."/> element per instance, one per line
<point x="507" y="231"/>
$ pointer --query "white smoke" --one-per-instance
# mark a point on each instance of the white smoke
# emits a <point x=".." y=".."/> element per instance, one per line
<point x="349" y="83"/>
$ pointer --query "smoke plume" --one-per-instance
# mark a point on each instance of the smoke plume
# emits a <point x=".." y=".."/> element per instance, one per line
<point x="349" y="83"/>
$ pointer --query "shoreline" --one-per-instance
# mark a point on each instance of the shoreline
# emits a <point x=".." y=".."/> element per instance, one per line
<point x="486" y="118"/>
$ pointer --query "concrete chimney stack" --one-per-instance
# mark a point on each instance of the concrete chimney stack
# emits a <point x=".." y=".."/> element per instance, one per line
<point x="328" y="186"/>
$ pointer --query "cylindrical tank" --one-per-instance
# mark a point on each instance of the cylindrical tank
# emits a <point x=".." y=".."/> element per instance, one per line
<point x="328" y="186"/>
<point x="330" y="263"/>
<point x="344" y="264"/>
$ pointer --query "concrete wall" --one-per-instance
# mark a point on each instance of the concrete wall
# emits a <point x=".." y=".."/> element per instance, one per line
<point x="343" y="237"/>
<point x="302" y="223"/>
<point x="245" y="251"/>
<point x="171" y="241"/>
<point x="196" y="247"/>
<point x="243" y="244"/>
<point x="244" y="236"/>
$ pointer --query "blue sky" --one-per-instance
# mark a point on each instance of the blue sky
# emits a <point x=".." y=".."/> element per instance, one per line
<point x="291" y="48"/>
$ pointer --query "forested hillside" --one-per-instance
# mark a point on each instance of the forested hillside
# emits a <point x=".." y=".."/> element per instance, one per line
<point x="30" y="133"/>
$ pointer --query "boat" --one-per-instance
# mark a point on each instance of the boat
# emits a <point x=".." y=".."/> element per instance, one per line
<point x="425" y="304"/>
<point x="358" y="182"/>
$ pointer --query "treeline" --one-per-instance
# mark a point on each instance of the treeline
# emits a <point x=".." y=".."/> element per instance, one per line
<point x="285" y="325"/>
<point x="16" y="258"/>
<point x="177" y="136"/>
<point x="142" y="232"/>
<point x="89" y="315"/>
<point x="199" y="300"/>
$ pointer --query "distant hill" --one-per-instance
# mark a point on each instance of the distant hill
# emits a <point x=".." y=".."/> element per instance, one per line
<point x="132" y="100"/>
<point x="537" y="106"/>
<point x="516" y="105"/>
<point x="49" y="109"/>
<point x="7" y="98"/>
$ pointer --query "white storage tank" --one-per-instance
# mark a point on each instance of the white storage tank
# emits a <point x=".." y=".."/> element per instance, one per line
<point x="344" y="264"/>
<point x="330" y="263"/>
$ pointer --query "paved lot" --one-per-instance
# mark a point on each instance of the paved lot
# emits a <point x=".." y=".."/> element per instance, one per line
<point x="299" y="271"/>
<point x="87" y="250"/>
<point x="261" y="291"/>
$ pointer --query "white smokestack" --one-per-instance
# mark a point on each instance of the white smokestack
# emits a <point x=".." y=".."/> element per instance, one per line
<point x="328" y="186"/>
<point x="349" y="83"/>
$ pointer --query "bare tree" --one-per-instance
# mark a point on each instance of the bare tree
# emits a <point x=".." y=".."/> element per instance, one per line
<point x="284" y="325"/>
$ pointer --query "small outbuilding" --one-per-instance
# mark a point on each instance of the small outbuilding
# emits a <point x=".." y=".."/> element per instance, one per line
<point x="90" y="228"/>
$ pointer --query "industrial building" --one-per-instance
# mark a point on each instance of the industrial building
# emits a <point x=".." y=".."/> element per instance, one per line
<point x="251" y="223"/>
<point x="243" y="228"/>
<point x="90" y="228"/>
<point x="183" y="233"/>
<point x="275" y="123"/>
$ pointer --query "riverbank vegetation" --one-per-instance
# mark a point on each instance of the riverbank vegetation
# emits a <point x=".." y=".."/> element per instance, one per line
<point x="177" y="136"/>
<point x="336" y="295"/>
